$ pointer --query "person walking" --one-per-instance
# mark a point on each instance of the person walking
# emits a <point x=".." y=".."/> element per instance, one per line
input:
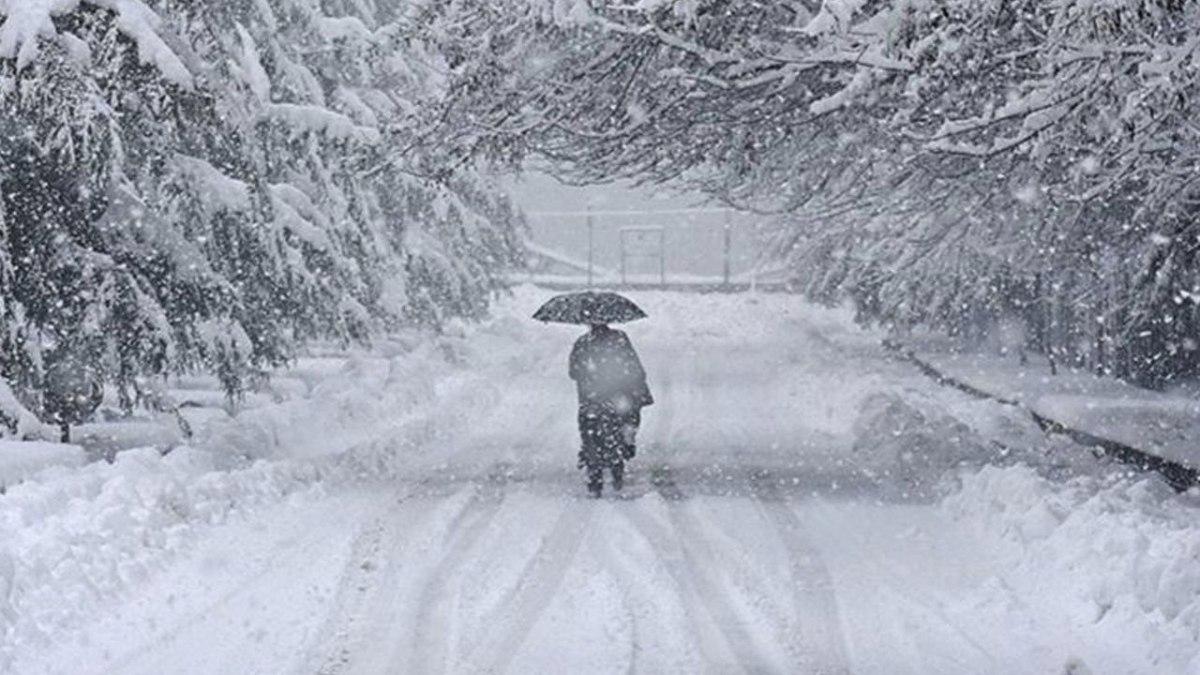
<point x="609" y="380"/>
<point x="612" y="389"/>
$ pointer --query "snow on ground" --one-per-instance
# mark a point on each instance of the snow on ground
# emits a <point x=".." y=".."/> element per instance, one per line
<point x="801" y="502"/>
<point x="22" y="459"/>
<point x="1162" y="424"/>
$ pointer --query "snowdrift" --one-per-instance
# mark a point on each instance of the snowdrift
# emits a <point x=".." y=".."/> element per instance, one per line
<point x="1120" y="554"/>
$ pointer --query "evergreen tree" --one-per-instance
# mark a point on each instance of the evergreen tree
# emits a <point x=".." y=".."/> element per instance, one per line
<point x="204" y="185"/>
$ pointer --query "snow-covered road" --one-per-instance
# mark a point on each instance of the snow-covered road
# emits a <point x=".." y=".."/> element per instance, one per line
<point x="785" y="514"/>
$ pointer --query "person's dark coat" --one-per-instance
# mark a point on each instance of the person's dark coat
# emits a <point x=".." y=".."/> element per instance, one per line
<point x="608" y="373"/>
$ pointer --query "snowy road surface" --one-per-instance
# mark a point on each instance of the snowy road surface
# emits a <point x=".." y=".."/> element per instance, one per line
<point x="776" y="521"/>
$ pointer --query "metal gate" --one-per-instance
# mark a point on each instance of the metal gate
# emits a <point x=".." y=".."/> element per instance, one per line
<point x="642" y="243"/>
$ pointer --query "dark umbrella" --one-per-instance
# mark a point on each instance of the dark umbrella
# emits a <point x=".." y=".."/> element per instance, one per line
<point x="589" y="307"/>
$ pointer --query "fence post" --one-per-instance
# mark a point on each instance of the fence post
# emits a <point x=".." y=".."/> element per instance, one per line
<point x="662" y="257"/>
<point x="591" y="237"/>
<point x="728" y="247"/>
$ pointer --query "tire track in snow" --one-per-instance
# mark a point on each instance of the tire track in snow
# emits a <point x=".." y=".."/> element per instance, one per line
<point x="428" y="650"/>
<point x="683" y="550"/>
<point x="626" y="579"/>
<point x="540" y="580"/>
<point x="298" y="545"/>
<point x="819" y="647"/>
<point x="372" y="559"/>
<point x="359" y="615"/>
<point x="686" y="557"/>
<point x="334" y="654"/>
<point x="698" y="592"/>
<point x="420" y="641"/>
<point x="821" y="640"/>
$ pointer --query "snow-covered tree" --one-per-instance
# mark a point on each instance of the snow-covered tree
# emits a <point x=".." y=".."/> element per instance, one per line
<point x="957" y="160"/>
<point x="203" y="185"/>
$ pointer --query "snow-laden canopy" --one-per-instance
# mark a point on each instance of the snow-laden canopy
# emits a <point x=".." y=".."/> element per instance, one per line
<point x="205" y="185"/>
<point x="946" y="162"/>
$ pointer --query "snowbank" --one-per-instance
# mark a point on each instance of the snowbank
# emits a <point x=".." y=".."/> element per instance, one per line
<point x="1122" y="556"/>
<point x="21" y="459"/>
<point x="1161" y="424"/>
<point x="74" y="539"/>
<point x="913" y="447"/>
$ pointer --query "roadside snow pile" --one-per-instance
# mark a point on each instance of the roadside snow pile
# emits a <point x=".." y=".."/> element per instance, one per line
<point x="1122" y="556"/>
<point x="894" y="440"/>
<point x="21" y="459"/>
<point x="334" y="417"/>
<point x="408" y="391"/>
<point x="1162" y="424"/>
<point x="73" y="540"/>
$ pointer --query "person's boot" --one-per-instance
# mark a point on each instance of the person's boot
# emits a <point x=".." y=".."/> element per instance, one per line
<point x="618" y="474"/>
<point x="595" y="484"/>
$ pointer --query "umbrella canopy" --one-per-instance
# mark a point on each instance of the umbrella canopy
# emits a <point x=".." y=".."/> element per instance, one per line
<point x="586" y="307"/>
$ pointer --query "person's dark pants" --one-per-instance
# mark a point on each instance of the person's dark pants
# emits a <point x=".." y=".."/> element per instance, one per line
<point x="603" y="444"/>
